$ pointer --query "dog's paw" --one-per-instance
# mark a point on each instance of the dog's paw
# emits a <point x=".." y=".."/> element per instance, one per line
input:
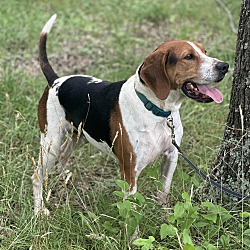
<point x="41" y="211"/>
<point x="163" y="198"/>
<point x="45" y="211"/>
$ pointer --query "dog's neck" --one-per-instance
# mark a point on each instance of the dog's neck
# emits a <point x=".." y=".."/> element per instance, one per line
<point x="172" y="103"/>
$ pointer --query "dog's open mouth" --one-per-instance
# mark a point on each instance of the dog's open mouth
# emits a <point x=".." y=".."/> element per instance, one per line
<point x="202" y="92"/>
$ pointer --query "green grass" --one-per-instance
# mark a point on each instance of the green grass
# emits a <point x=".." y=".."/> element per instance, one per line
<point x="107" y="39"/>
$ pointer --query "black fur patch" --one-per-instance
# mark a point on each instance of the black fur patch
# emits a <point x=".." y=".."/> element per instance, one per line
<point x="139" y="72"/>
<point x="90" y="103"/>
<point x="172" y="59"/>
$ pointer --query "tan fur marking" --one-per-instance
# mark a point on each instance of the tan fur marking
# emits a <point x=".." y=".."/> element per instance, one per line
<point x="42" y="110"/>
<point x="122" y="147"/>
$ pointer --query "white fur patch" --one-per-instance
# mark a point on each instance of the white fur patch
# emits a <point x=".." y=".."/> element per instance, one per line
<point x="208" y="73"/>
<point x="58" y="82"/>
<point x="103" y="146"/>
<point x="47" y="27"/>
<point x="94" y="79"/>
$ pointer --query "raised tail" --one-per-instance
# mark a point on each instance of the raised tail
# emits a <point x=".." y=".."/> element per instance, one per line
<point x="48" y="71"/>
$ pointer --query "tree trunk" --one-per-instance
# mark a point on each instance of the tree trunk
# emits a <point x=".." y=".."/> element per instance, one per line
<point x="232" y="166"/>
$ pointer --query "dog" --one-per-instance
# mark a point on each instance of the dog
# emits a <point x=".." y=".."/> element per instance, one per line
<point x="126" y="119"/>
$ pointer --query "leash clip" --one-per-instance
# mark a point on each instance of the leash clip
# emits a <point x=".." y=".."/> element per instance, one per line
<point x="170" y="124"/>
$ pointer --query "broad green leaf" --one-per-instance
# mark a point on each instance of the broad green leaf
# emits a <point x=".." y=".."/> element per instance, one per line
<point x="215" y="211"/>
<point x="124" y="207"/>
<point x="211" y="247"/>
<point x="132" y="224"/>
<point x="108" y="226"/>
<point x="244" y="214"/>
<point x="121" y="209"/>
<point x="167" y="230"/>
<point x="247" y="232"/>
<point x="179" y="210"/>
<point x="140" y="198"/>
<point x="225" y="240"/>
<point x="199" y="248"/>
<point x="184" y="175"/>
<point x="195" y="181"/>
<point x="201" y="223"/>
<point x="188" y="206"/>
<point x="188" y="223"/>
<point x="119" y="194"/>
<point x="145" y="242"/>
<point x="246" y="241"/>
<point x="223" y="213"/>
<point x="137" y="215"/>
<point x="127" y="204"/>
<point x="186" y="196"/>
<point x="123" y="185"/>
<point x="171" y="218"/>
<point x="188" y="247"/>
<point x="186" y="237"/>
<point x="209" y="205"/>
<point x="210" y="217"/>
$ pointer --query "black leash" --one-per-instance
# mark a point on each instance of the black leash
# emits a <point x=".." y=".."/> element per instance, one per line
<point x="205" y="177"/>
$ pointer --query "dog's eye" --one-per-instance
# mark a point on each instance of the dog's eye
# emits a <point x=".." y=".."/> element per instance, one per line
<point x="189" y="57"/>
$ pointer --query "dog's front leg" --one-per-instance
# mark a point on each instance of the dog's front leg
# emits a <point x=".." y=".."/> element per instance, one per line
<point x="170" y="158"/>
<point x="167" y="170"/>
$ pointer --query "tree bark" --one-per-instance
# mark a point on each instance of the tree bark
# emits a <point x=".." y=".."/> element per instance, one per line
<point x="232" y="166"/>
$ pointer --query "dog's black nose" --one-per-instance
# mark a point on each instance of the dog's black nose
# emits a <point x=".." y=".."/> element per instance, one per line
<point x="222" y="67"/>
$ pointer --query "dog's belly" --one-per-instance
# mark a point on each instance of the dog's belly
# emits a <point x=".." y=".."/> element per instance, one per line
<point x="103" y="146"/>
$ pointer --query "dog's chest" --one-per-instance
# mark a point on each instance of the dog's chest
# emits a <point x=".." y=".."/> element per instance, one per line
<point x="149" y="134"/>
<point x="150" y="140"/>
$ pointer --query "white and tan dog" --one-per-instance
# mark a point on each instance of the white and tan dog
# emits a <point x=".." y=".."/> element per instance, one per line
<point x="128" y="118"/>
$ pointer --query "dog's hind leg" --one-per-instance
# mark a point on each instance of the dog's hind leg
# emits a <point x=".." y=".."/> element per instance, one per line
<point x="65" y="151"/>
<point x="49" y="154"/>
<point x="67" y="147"/>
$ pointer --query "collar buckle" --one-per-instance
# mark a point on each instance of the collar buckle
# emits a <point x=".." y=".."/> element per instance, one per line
<point x="148" y="105"/>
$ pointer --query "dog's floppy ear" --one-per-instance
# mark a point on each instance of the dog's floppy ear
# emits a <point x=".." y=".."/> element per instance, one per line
<point x="153" y="73"/>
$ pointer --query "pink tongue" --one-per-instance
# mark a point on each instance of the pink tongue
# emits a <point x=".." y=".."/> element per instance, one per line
<point x="214" y="93"/>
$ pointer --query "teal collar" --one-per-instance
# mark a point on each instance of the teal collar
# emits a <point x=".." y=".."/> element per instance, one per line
<point x="152" y="107"/>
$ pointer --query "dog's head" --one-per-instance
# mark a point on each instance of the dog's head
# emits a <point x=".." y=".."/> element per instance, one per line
<point x="185" y="66"/>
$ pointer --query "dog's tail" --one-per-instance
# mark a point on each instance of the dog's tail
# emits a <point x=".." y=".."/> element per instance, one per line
<point x="48" y="71"/>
